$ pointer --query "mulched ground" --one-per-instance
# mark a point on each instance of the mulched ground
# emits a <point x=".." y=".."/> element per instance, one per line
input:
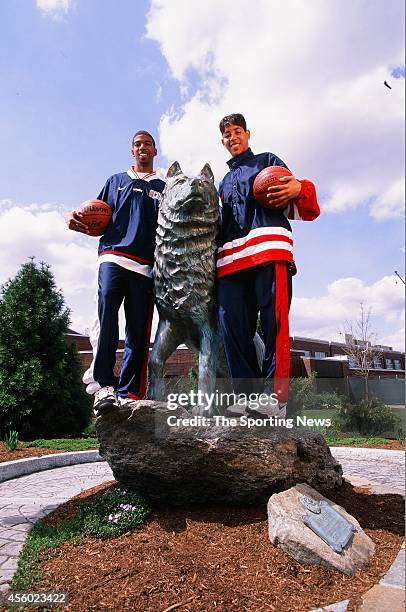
<point x="23" y="453"/>
<point x="389" y="445"/>
<point x="214" y="559"/>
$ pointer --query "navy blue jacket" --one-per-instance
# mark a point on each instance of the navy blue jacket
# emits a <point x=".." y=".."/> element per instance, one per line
<point x="251" y="234"/>
<point x="134" y="203"/>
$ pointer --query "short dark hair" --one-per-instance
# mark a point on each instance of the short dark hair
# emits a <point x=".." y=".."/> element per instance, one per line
<point x="145" y="134"/>
<point x="235" y="119"/>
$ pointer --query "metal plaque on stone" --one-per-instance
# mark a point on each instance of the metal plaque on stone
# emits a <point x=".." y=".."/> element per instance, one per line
<point x="326" y="522"/>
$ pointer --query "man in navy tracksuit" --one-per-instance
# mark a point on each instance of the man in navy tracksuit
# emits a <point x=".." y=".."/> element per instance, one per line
<point x="255" y="263"/>
<point x="126" y="253"/>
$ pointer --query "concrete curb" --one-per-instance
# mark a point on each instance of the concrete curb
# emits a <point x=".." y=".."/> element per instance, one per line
<point x="23" y="467"/>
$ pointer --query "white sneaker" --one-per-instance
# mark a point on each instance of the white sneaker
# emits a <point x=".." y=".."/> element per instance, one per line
<point x="105" y="400"/>
<point x="125" y="402"/>
<point x="266" y="409"/>
<point x="92" y="388"/>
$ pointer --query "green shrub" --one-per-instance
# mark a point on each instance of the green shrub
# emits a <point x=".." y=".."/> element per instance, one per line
<point x="90" y="430"/>
<point x="11" y="440"/>
<point x="369" y="416"/>
<point x="41" y="393"/>
<point x="303" y="397"/>
<point x="112" y="513"/>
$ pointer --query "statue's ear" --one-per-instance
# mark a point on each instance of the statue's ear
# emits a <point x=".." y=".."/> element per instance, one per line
<point x="207" y="173"/>
<point x="173" y="170"/>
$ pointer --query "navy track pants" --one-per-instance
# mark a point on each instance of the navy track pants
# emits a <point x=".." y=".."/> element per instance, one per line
<point x="116" y="284"/>
<point x="240" y="296"/>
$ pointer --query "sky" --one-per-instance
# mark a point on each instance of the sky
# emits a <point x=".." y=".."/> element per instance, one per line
<point x="79" y="77"/>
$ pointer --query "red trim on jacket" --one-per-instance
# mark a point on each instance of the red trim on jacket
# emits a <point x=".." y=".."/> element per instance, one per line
<point x="134" y="257"/>
<point x="254" y="260"/>
<point x="251" y="242"/>
<point x="282" y="348"/>
<point x="306" y="203"/>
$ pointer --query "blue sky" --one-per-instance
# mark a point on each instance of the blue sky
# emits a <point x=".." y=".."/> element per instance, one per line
<point x="80" y="76"/>
<point x="73" y="91"/>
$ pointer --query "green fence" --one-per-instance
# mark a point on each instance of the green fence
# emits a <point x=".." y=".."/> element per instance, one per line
<point x="391" y="390"/>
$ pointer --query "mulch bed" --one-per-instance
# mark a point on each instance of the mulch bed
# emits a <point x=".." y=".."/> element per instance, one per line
<point x="389" y="445"/>
<point x="214" y="559"/>
<point x="23" y="453"/>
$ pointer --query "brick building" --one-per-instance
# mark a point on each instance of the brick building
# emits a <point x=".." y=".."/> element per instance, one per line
<point x="325" y="358"/>
<point x="328" y="359"/>
<point x="178" y="364"/>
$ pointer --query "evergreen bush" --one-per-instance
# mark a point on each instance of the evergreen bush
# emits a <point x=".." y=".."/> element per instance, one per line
<point x="369" y="416"/>
<point x="41" y="393"/>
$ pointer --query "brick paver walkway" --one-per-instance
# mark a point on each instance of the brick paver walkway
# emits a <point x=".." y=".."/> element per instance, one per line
<point x="25" y="500"/>
<point x="384" y="467"/>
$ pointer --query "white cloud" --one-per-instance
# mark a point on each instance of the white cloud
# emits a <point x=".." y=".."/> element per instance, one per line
<point x="39" y="230"/>
<point x="54" y="8"/>
<point x="309" y="78"/>
<point x="391" y="203"/>
<point x="326" y="316"/>
<point x="344" y="193"/>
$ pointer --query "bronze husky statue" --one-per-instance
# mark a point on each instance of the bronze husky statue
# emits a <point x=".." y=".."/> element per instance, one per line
<point x="184" y="276"/>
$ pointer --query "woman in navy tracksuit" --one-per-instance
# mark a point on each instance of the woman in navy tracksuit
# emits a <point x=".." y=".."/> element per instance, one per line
<point x="255" y="263"/>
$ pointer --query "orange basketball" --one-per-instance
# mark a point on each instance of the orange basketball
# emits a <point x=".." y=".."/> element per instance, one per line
<point x="96" y="214"/>
<point x="268" y="177"/>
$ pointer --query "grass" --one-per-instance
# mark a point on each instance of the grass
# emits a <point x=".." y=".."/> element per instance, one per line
<point x="337" y="438"/>
<point x="355" y="440"/>
<point x="11" y="440"/>
<point x="107" y="514"/>
<point x="331" y="414"/>
<point x="66" y="444"/>
<point x="323" y="413"/>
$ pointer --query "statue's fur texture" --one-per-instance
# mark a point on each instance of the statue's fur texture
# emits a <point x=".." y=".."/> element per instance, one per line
<point x="184" y="275"/>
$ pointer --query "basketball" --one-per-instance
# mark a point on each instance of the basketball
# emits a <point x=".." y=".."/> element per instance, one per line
<point x="268" y="177"/>
<point x="96" y="214"/>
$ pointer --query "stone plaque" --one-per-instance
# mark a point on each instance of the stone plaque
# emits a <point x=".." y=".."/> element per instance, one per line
<point x="331" y="526"/>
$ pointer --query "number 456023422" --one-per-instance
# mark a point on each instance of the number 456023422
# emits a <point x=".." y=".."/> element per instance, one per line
<point x="30" y="598"/>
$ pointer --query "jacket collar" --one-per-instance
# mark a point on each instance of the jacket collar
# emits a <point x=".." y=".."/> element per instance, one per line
<point x="132" y="173"/>
<point x="240" y="159"/>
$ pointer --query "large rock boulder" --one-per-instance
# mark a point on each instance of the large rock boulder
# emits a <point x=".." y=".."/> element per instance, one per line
<point x="286" y="512"/>
<point x="207" y="463"/>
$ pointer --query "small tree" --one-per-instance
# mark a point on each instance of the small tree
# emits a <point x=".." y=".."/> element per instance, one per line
<point x="360" y="345"/>
<point x="40" y="375"/>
